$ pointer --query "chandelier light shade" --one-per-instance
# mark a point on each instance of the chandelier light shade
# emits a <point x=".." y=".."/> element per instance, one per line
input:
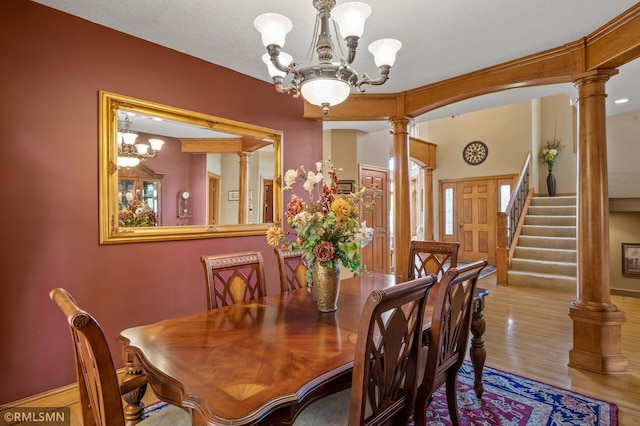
<point x="130" y="153"/>
<point x="351" y="18"/>
<point x="384" y="51"/>
<point x="329" y="81"/>
<point x="325" y="91"/>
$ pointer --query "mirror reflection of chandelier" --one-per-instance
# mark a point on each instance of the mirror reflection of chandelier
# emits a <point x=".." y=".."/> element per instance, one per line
<point x="328" y="82"/>
<point x="130" y="153"/>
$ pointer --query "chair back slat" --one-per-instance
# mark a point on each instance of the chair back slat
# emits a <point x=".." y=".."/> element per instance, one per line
<point x="387" y="348"/>
<point x="233" y="278"/>
<point x="97" y="379"/>
<point x="292" y="269"/>
<point x="448" y="336"/>
<point x="431" y="257"/>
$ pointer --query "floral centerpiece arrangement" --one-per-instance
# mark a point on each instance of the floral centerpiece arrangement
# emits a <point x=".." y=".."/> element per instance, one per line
<point x="135" y="213"/>
<point x="326" y="225"/>
<point x="550" y="151"/>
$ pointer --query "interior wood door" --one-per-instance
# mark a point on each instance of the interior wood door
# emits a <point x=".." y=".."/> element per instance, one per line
<point x="213" y="210"/>
<point x="267" y="196"/>
<point x="413" y="207"/>
<point x="473" y="216"/>
<point x="376" y="255"/>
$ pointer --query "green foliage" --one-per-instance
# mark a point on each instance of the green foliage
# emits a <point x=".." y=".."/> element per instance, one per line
<point x="549" y="153"/>
<point x="326" y="228"/>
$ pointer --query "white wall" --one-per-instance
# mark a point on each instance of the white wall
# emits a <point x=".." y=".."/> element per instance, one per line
<point x="375" y="149"/>
<point x="505" y="130"/>
<point x="623" y="153"/>
<point x="231" y="172"/>
<point x="557" y="119"/>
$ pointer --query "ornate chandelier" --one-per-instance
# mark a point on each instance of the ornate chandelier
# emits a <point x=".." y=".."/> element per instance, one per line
<point x="131" y="153"/>
<point x="329" y="81"/>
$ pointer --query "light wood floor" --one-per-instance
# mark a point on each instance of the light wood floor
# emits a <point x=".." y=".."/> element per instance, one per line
<point x="529" y="333"/>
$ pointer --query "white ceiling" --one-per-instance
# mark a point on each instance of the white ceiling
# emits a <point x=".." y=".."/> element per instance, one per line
<point x="441" y="39"/>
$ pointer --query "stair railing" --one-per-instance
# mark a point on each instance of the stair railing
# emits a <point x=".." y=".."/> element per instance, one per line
<point x="509" y="222"/>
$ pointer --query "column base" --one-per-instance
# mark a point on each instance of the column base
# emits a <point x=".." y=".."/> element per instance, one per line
<point x="597" y="341"/>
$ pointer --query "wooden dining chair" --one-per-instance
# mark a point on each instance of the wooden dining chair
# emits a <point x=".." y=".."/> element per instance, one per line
<point x="385" y="365"/>
<point x="448" y="338"/>
<point x="431" y="257"/>
<point x="292" y="269"/>
<point x="233" y="278"/>
<point x="100" y="392"/>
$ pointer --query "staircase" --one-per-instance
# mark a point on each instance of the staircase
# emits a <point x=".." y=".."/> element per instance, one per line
<point x="545" y="256"/>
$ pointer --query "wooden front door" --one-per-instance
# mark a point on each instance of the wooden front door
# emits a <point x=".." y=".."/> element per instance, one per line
<point x="468" y="215"/>
<point x="376" y="255"/>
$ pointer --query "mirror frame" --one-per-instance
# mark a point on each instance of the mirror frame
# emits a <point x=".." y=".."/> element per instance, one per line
<point x="110" y="232"/>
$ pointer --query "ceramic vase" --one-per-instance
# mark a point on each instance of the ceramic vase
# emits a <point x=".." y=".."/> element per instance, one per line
<point x="326" y="284"/>
<point x="551" y="183"/>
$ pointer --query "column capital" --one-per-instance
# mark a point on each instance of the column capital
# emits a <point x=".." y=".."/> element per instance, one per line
<point x="594" y="76"/>
<point x="400" y="125"/>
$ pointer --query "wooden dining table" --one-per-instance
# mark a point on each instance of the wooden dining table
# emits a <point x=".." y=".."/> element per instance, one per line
<point x="255" y="362"/>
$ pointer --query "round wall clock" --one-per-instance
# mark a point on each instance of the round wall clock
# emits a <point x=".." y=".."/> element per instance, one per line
<point x="475" y="152"/>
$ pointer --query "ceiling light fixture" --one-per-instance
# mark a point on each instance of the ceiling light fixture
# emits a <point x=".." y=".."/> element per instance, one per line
<point x="621" y="101"/>
<point x="329" y="81"/>
<point x="130" y="153"/>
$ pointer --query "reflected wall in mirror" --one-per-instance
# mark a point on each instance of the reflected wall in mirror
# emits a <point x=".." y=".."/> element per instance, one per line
<point x="167" y="173"/>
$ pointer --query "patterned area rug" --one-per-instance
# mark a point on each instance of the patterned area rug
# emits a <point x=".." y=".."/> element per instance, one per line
<point x="513" y="400"/>
<point x="487" y="270"/>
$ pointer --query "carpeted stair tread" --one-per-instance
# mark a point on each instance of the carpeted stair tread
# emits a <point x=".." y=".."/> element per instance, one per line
<point x="545" y="255"/>
<point x="546" y="266"/>
<point x="552" y="254"/>
<point x="554" y="201"/>
<point x="552" y="210"/>
<point x="550" y="220"/>
<point x="547" y="242"/>
<point x="542" y="280"/>
<point x="549" y="231"/>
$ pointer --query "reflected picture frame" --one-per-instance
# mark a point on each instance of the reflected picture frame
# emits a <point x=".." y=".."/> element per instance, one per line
<point x="234" y="195"/>
<point x="345" y="186"/>
<point x="631" y="260"/>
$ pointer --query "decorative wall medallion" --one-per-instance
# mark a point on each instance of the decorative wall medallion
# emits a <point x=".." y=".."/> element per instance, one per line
<point x="184" y="204"/>
<point x="475" y="152"/>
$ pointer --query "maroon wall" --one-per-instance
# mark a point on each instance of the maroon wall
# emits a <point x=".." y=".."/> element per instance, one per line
<point x="181" y="170"/>
<point x="53" y="66"/>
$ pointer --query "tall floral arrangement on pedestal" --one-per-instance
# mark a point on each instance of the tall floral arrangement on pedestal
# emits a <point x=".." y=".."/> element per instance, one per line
<point x="326" y="226"/>
<point x="548" y="156"/>
<point x="550" y="151"/>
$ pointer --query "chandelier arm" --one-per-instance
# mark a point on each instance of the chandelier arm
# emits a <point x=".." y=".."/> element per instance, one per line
<point x="384" y="76"/>
<point x="292" y="89"/>
<point x="274" y="55"/>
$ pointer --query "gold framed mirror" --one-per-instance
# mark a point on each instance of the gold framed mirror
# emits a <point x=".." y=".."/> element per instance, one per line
<point x="171" y="174"/>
